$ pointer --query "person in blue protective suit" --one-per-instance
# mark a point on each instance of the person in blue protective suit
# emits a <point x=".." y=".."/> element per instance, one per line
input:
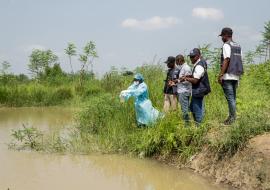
<point x="146" y="114"/>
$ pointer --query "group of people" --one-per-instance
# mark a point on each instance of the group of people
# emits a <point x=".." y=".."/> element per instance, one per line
<point x="189" y="86"/>
<point x="182" y="82"/>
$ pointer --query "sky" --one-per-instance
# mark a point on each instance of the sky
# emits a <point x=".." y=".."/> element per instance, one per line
<point x="127" y="33"/>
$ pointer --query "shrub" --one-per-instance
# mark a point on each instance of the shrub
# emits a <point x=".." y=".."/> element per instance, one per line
<point x="27" y="137"/>
<point x="61" y="94"/>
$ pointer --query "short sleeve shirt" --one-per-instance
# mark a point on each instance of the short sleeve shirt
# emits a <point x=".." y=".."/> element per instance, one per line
<point x="198" y="70"/>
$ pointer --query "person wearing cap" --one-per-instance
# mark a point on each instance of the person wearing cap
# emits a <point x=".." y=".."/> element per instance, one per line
<point x="183" y="87"/>
<point x="230" y="72"/>
<point x="200" y="84"/>
<point x="146" y="114"/>
<point x="170" y="88"/>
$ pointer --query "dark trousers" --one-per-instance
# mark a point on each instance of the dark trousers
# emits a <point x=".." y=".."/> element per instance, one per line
<point x="197" y="109"/>
<point x="229" y="89"/>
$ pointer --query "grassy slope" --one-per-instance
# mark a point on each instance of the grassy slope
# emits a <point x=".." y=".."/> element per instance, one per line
<point x="107" y="125"/>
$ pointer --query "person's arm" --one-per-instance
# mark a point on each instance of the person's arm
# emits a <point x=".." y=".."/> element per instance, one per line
<point x="138" y="91"/>
<point x="133" y="91"/>
<point x="191" y="80"/>
<point x="223" y="70"/>
<point x="197" y="75"/>
<point x="226" y="49"/>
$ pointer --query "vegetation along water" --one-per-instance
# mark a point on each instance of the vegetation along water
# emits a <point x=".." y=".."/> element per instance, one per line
<point x="105" y="125"/>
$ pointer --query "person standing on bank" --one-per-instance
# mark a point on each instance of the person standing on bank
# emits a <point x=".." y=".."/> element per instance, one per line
<point x="183" y="87"/>
<point x="170" y="88"/>
<point x="200" y="84"/>
<point x="231" y="70"/>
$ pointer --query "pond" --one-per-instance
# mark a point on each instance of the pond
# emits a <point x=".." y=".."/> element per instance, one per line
<point x="24" y="170"/>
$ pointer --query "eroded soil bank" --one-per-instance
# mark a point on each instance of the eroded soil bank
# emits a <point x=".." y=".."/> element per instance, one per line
<point x="247" y="169"/>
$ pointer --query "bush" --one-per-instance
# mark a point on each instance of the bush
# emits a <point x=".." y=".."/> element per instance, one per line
<point x="61" y="94"/>
<point x="170" y="137"/>
<point x="102" y="112"/>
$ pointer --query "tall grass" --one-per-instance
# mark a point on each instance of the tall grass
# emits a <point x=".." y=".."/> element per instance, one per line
<point x="34" y="95"/>
<point x="110" y="125"/>
<point x="47" y="93"/>
<point x="106" y="125"/>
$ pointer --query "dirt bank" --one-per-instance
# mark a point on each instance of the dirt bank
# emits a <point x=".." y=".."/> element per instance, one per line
<point x="248" y="169"/>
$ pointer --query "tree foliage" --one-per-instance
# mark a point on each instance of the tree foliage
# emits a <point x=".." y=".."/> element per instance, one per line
<point x="211" y="55"/>
<point x="87" y="58"/>
<point x="5" y="66"/>
<point x="266" y="40"/>
<point x="40" y="60"/>
<point x="71" y="51"/>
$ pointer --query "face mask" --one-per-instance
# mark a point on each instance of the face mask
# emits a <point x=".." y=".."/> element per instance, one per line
<point x="136" y="83"/>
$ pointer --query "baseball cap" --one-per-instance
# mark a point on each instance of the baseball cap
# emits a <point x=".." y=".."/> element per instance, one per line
<point x="194" y="52"/>
<point x="226" y="31"/>
<point x="170" y="59"/>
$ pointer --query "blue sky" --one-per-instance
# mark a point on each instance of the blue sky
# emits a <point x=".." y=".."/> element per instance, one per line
<point x="127" y="33"/>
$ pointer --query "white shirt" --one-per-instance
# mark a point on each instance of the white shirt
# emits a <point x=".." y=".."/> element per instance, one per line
<point x="226" y="49"/>
<point x="199" y="70"/>
<point x="185" y="86"/>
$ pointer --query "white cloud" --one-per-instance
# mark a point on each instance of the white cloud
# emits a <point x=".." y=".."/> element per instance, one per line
<point x="208" y="13"/>
<point x="153" y="23"/>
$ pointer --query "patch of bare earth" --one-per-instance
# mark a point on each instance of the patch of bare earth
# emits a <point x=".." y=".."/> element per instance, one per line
<point x="248" y="169"/>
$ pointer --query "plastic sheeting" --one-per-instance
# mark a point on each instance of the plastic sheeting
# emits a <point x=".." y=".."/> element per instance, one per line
<point x="145" y="113"/>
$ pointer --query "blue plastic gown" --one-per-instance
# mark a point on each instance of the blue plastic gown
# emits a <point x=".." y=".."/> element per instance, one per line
<point x="145" y="113"/>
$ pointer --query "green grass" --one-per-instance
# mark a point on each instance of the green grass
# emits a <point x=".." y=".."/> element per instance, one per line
<point x="112" y="127"/>
<point x="106" y="125"/>
<point x="44" y="93"/>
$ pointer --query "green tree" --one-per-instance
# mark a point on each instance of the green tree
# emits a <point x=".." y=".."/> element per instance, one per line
<point x="214" y="58"/>
<point x="260" y="51"/>
<point x="5" y="66"/>
<point x="205" y="51"/>
<point x="266" y="38"/>
<point x="5" y="75"/>
<point x="39" y="60"/>
<point x="249" y="57"/>
<point x="87" y="58"/>
<point x="54" y="71"/>
<point x="212" y="55"/>
<point x="71" y="51"/>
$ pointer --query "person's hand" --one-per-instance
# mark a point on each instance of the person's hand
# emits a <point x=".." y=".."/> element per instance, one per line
<point x="182" y="79"/>
<point x="220" y="77"/>
<point x="173" y="83"/>
<point x="170" y="83"/>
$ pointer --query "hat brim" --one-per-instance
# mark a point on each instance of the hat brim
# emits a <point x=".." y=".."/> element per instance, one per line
<point x="166" y="62"/>
<point x="225" y="34"/>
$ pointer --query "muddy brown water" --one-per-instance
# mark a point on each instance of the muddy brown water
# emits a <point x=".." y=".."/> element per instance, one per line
<point x="40" y="171"/>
